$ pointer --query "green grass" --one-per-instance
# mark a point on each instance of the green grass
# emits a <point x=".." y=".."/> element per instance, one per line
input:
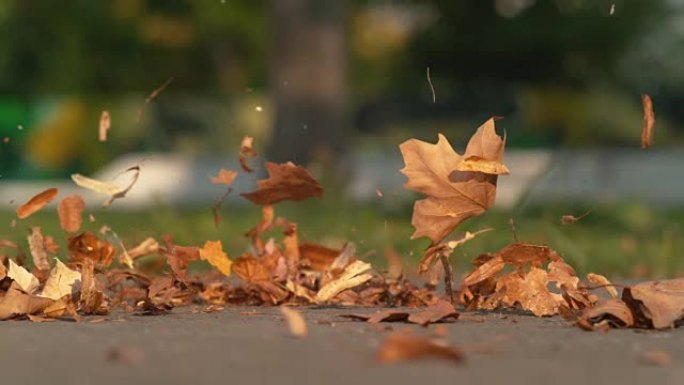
<point x="619" y="240"/>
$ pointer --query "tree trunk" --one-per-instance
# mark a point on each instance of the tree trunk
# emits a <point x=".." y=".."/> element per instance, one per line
<point x="309" y="81"/>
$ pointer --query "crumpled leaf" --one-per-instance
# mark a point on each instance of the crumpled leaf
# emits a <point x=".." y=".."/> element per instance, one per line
<point x="246" y="152"/>
<point x="357" y="273"/>
<point x="225" y="177"/>
<point x="598" y="279"/>
<point x="452" y="195"/>
<point x="612" y="312"/>
<point x="295" y="321"/>
<point x="70" y="212"/>
<point x="531" y="293"/>
<point x="286" y="181"/>
<point x="432" y="254"/>
<point x="212" y="252"/>
<point x="26" y="281"/>
<point x="36" y="244"/>
<point x="16" y="302"/>
<point x="251" y="270"/>
<point x="657" y="304"/>
<point x="442" y="311"/>
<point x="36" y="203"/>
<point x="87" y="245"/>
<point x="92" y="299"/>
<point x="62" y="281"/>
<point x="402" y="346"/>
<point x="114" y="191"/>
<point x="148" y="246"/>
<point x="649" y="122"/>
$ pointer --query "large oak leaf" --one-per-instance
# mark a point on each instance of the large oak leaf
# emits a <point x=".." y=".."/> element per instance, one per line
<point x="453" y="195"/>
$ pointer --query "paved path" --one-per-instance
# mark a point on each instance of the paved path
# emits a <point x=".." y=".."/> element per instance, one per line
<point x="253" y="346"/>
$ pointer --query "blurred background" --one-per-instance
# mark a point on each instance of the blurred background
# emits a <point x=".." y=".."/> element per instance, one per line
<point x="337" y="85"/>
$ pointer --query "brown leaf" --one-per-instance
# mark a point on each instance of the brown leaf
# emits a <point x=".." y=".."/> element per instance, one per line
<point x="17" y="303"/>
<point x="225" y="177"/>
<point x="36" y="244"/>
<point x="439" y="312"/>
<point x="433" y="253"/>
<point x="485" y="271"/>
<point x="147" y="247"/>
<point x="532" y="293"/>
<point x="656" y="358"/>
<point x="657" y="304"/>
<point x="92" y="299"/>
<point x="105" y="124"/>
<point x="251" y="270"/>
<point x="70" y="212"/>
<point x="317" y="257"/>
<point x="519" y="254"/>
<point x="355" y="274"/>
<point x="612" y="311"/>
<point x="212" y="252"/>
<point x="598" y="279"/>
<point x="36" y="203"/>
<point x="295" y="321"/>
<point x="649" y="122"/>
<point x="402" y="346"/>
<point x="286" y="181"/>
<point x="567" y="219"/>
<point x="24" y="280"/>
<point x="246" y="152"/>
<point x="61" y="282"/>
<point x="452" y="195"/>
<point x="88" y="246"/>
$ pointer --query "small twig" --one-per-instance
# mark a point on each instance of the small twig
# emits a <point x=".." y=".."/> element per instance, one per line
<point x="152" y="96"/>
<point x="432" y="88"/>
<point x="515" y="233"/>
<point x="448" y="277"/>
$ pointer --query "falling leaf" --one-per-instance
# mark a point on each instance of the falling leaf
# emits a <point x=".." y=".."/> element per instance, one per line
<point x="61" y="282"/>
<point x="354" y="275"/>
<point x="147" y="247"/>
<point x="452" y="196"/>
<point x="399" y="347"/>
<point x="92" y="299"/>
<point x="36" y="244"/>
<point x="16" y="302"/>
<point x="659" y="303"/>
<point x="225" y="177"/>
<point x="567" y="219"/>
<point x="433" y="253"/>
<point x="485" y="271"/>
<point x="106" y="188"/>
<point x="246" y="152"/>
<point x="251" y="270"/>
<point x="105" y="124"/>
<point x="598" y="279"/>
<point x="295" y="321"/>
<point x="70" y="212"/>
<point x="36" y="203"/>
<point x="378" y="193"/>
<point x="87" y="246"/>
<point x="25" y="280"/>
<point x="212" y="252"/>
<point x="656" y="358"/>
<point x="153" y="95"/>
<point x="649" y="122"/>
<point x="286" y="182"/>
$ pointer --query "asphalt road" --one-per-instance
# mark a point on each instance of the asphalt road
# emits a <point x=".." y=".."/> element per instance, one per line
<point x="253" y="346"/>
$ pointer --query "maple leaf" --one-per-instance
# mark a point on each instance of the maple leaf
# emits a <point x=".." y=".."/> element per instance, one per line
<point x="457" y="187"/>
<point x="36" y="203"/>
<point x="286" y="181"/>
<point x="212" y="252"/>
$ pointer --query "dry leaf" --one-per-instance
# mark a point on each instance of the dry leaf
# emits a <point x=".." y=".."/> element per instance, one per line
<point x="452" y="196"/>
<point x="26" y="281"/>
<point x="478" y="164"/>
<point x="105" y="124"/>
<point x="92" y="300"/>
<point x="251" y="270"/>
<point x="36" y="203"/>
<point x="246" y="152"/>
<point x="295" y="321"/>
<point x="61" y="282"/>
<point x="399" y="347"/>
<point x="114" y="191"/>
<point x="212" y="252"/>
<point x="147" y="247"/>
<point x="357" y="273"/>
<point x="432" y="254"/>
<point x="598" y="279"/>
<point x="660" y="304"/>
<point x="36" y="244"/>
<point x="88" y="246"/>
<point x="286" y="181"/>
<point x="612" y="311"/>
<point x="567" y="219"/>
<point x="16" y="302"/>
<point x="656" y="358"/>
<point x="649" y="122"/>
<point x="317" y="257"/>
<point x="70" y="212"/>
<point x="485" y="271"/>
<point x="225" y="177"/>
<point x="153" y="95"/>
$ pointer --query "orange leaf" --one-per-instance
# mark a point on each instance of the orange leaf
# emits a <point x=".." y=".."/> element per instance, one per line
<point x="224" y="177"/>
<point x="88" y="246"/>
<point x="649" y="122"/>
<point x="452" y="195"/>
<point x="212" y="252"/>
<point x="286" y="181"/>
<point x="246" y="152"/>
<point x="402" y="346"/>
<point x="105" y="124"/>
<point x="36" y="203"/>
<point x="70" y="211"/>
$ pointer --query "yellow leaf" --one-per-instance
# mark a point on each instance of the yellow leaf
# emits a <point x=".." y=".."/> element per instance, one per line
<point x="212" y="252"/>
<point x="61" y="282"/>
<point x="26" y="281"/>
